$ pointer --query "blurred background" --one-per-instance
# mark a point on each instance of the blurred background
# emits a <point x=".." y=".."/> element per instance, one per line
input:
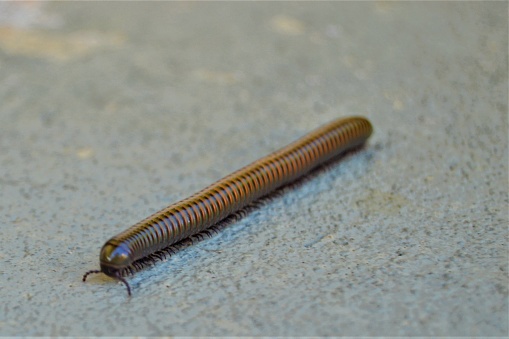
<point x="111" y="111"/>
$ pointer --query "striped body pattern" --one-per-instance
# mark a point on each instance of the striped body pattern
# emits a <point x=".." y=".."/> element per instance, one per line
<point x="230" y="194"/>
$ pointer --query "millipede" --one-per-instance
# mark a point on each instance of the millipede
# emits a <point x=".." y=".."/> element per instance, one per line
<point x="225" y="199"/>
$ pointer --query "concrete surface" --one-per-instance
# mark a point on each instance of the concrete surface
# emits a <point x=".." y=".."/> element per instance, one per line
<point x="111" y="111"/>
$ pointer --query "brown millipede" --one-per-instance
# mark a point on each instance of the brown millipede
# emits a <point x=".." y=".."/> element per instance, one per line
<point x="127" y="251"/>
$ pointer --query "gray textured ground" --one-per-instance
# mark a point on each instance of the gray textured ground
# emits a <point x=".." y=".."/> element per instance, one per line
<point x="111" y="111"/>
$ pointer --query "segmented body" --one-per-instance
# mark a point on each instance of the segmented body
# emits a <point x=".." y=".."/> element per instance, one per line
<point x="232" y="193"/>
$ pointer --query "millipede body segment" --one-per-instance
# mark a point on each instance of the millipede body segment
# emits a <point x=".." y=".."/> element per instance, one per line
<point x="228" y="195"/>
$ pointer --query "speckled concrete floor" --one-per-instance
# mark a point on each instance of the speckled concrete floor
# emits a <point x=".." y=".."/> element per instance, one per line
<point x="111" y="111"/>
